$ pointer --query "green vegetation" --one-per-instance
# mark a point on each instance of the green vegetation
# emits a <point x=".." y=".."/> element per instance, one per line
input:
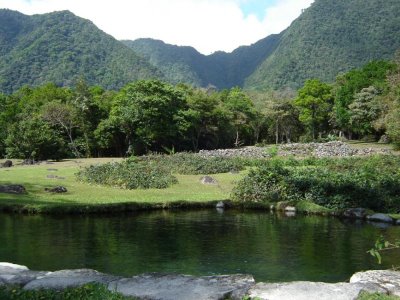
<point x="129" y="174"/>
<point x="85" y="292"/>
<point x="90" y="198"/>
<point x="376" y="296"/>
<point x="371" y="183"/>
<point x="330" y="38"/>
<point x="61" y="48"/>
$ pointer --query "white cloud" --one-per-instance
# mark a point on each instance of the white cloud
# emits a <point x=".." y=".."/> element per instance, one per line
<point x="207" y="25"/>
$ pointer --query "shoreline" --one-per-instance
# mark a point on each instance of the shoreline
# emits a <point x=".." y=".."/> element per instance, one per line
<point x="130" y="207"/>
<point x="178" y="287"/>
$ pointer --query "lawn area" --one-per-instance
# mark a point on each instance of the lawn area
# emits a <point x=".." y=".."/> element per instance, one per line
<point x="35" y="179"/>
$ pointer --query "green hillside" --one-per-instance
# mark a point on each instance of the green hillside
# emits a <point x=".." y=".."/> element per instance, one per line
<point x="329" y="38"/>
<point x="61" y="47"/>
<point x="220" y="69"/>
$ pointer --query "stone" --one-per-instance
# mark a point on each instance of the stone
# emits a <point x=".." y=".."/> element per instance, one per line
<point x="7" y="164"/>
<point x="12" y="189"/>
<point x="57" y="189"/>
<point x="380" y="218"/>
<point x="291" y="209"/>
<point x="398" y="222"/>
<point x="69" y="278"/>
<point x="208" y="180"/>
<point x="220" y="204"/>
<point x="384" y="139"/>
<point x="51" y="176"/>
<point x="388" y="280"/>
<point x="29" y="162"/>
<point x="17" y="275"/>
<point x="52" y="170"/>
<point x="304" y="290"/>
<point x="358" y="213"/>
<point x="183" y="287"/>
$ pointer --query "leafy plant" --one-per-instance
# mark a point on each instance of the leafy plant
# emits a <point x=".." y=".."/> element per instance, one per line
<point x="382" y="245"/>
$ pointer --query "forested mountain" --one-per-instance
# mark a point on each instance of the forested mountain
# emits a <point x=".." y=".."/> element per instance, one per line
<point x="220" y="69"/>
<point x="60" y="47"/>
<point x="329" y="38"/>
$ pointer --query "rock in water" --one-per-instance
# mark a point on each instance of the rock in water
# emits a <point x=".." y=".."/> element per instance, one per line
<point x="184" y="287"/>
<point x="380" y="218"/>
<point x="387" y="279"/>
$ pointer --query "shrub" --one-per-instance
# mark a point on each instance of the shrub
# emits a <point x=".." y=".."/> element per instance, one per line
<point x="129" y="174"/>
<point x="372" y="182"/>
<point x="194" y="164"/>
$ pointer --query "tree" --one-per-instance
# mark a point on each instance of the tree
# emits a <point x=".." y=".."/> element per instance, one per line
<point x="364" y="111"/>
<point x="33" y="138"/>
<point x="372" y="74"/>
<point x="242" y="111"/>
<point x="314" y="101"/>
<point x="146" y="112"/>
<point x="64" y="116"/>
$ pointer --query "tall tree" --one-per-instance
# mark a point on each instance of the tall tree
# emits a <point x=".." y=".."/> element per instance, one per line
<point x="314" y="101"/>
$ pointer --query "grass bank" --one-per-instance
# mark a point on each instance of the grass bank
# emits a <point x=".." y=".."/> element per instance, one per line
<point x="86" y="198"/>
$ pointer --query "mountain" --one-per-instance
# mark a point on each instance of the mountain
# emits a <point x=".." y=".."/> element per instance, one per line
<point x="329" y="38"/>
<point x="61" y="47"/>
<point x="220" y="69"/>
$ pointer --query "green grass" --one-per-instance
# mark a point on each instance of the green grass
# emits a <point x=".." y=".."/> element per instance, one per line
<point x="85" y="292"/>
<point x="34" y="178"/>
<point x="312" y="208"/>
<point x="376" y="296"/>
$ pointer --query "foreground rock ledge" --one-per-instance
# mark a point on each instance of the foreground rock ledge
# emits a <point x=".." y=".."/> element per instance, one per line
<point x="185" y="287"/>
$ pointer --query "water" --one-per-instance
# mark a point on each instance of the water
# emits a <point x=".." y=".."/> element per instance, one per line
<point x="270" y="247"/>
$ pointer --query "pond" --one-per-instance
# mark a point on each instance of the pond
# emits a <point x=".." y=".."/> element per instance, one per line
<point x="270" y="247"/>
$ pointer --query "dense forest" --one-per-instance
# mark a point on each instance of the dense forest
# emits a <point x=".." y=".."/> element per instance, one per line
<point x="52" y="122"/>
<point x="60" y="47"/>
<point x="329" y="38"/>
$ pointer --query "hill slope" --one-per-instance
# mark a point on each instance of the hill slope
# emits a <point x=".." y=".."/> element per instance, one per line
<point x="331" y="37"/>
<point x="220" y="69"/>
<point x="61" y="47"/>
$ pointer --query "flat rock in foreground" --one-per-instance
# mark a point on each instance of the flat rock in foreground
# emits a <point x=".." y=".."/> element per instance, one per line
<point x="184" y="287"/>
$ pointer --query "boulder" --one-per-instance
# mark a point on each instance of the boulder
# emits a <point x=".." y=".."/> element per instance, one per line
<point x="304" y="290"/>
<point x="12" y="189"/>
<point x="17" y="275"/>
<point x="290" y="209"/>
<point x="380" y="218"/>
<point x="184" y="287"/>
<point x="7" y="164"/>
<point x="57" y="190"/>
<point x="208" y="180"/>
<point x="69" y="278"/>
<point x="386" y="279"/>
<point x="358" y="213"/>
<point x="220" y="204"/>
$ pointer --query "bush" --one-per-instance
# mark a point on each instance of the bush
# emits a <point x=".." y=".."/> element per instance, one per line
<point x="129" y="174"/>
<point x="372" y="182"/>
<point x="194" y="164"/>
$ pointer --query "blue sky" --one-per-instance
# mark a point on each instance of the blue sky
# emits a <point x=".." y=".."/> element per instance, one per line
<point x="255" y="7"/>
<point x="207" y="25"/>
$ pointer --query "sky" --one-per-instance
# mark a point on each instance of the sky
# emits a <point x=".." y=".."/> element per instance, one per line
<point x="207" y="25"/>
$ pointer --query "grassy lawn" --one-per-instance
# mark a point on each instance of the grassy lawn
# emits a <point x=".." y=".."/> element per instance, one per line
<point x="35" y="179"/>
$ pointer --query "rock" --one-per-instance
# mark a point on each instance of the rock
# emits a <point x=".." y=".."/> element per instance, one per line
<point x="57" y="189"/>
<point x="380" y="218"/>
<point x="7" y="164"/>
<point x="69" y="278"/>
<point x="17" y="274"/>
<point x="291" y="209"/>
<point x="386" y="279"/>
<point x="208" y="180"/>
<point x="52" y="170"/>
<point x="30" y="162"/>
<point x="303" y="290"/>
<point x="183" y="287"/>
<point x="12" y="189"/>
<point x="398" y="222"/>
<point x="51" y="176"/>
<point x="358" y="213"/>
<point x="384" y="139"/>
<point x="220" y="204"/>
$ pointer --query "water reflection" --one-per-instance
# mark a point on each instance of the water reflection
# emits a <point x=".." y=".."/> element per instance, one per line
<point x="271" y="247"/>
